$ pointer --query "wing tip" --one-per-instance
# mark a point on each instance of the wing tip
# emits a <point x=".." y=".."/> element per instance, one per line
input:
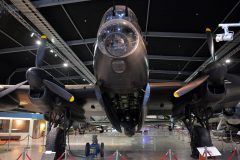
<point x="176" y="95"/>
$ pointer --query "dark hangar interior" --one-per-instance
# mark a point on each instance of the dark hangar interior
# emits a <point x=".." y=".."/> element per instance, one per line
<point x="174" y="32"/>
<point x="148" y="77"/>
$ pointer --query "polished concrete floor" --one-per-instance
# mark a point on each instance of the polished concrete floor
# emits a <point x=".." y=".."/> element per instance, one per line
<point x="140" y="147"/>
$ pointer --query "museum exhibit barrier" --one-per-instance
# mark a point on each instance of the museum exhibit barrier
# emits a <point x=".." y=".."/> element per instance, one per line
<point x="8" y="141"/>
<point x="234" y="153"/>
<point x="116" y="156"/>
<point x="66" y="155"/>
<point x="24" y="155"/>
<point x="169" y="155"/>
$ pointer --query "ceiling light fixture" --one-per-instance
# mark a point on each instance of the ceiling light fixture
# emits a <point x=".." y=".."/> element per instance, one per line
<point x="38" y="42"/>
<point x="228" y="61"/>
<point x="65" y="64"/>
<point x="51" y="51"/>
<point x="32" y="34"/>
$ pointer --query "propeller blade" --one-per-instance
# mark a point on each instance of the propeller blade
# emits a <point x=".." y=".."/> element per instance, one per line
<point x="11" y="89"/>
<point x="210" y="43"/>
<point x="190" y="86"/>
<point x="61" y="92"/>
<point x="41" y="51"/>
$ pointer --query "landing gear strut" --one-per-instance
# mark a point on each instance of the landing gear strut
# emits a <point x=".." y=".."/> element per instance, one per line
<point x="199" y="133"/>
<point x="56" y="137"/>
<point x="55" y="141"/>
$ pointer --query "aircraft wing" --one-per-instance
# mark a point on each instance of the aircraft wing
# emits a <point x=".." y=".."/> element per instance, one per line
<point x="19" y="100"/>
<point x="159" y="101"/>
<point x="160" y="97"/>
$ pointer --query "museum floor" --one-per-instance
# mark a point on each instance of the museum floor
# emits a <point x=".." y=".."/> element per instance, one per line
<point x="148" y="147"/>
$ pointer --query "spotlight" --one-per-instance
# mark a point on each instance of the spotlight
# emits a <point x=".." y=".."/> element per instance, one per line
<point x="65" y="64"/>
<point x="53" y="41"/>
<point x="32" y="34"/>
<point x="51" y="51"/>
<point x="84" y="79"/>
<point x="38" y="42"/>
<point x="55" y="55"/>
<point x="228" y="61"/>
<point x="227" y="35"/>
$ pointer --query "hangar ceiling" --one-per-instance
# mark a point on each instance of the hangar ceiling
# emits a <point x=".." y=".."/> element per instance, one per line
<point x="174" y="32"/>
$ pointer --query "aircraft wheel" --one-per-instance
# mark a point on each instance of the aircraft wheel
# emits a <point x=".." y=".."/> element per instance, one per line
<point x="200" y="137"/>
<point x="55" y="142"/>
<point x="102" y="150"/>
<point x="129" y="132"/>
<point x="87" y="149"/>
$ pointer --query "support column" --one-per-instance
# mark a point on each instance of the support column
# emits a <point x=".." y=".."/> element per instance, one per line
<point x="9" y="134"/>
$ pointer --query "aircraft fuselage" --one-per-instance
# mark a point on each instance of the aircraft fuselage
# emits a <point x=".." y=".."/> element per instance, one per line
<point x="121" y="69"/>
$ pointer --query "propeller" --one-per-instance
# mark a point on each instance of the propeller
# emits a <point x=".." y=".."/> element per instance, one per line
<point x="41" y="52"/>
<point x="194" y="84"/>
<point x="53" y="87"/>
<point x="190" y="86"/>
<point x="210" y="43"/>
<point x="34" y="76"/>
<point x="38" y="63"/>
<point x="61" y="92"/>
<point x="11" y="89"/>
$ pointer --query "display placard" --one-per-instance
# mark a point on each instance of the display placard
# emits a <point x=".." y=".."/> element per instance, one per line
<point x="48" y="155"/>
<point x="211" y="151"/>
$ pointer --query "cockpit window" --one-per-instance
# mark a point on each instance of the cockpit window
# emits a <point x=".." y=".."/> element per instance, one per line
<point x="120" y="14"/>
<point x="118" y="38"/>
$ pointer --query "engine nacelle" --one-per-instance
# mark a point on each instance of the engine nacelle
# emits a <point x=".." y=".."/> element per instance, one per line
<point x="41" y="98"/>
<point x="232" y="114"/>
<point x="208" y="96"/>
<point x="212" y="94"/>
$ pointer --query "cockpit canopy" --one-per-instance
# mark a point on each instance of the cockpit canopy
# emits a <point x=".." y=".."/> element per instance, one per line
<point x="120" y="14"/>
<point x="118" y="35"/>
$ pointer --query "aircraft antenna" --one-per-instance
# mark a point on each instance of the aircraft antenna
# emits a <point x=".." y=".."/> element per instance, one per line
<point x="126" y="9"/>
<point x="114" y="7"/>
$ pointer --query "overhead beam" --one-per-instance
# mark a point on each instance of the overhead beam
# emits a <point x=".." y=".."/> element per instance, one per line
<point x="56" y="66"/>
<point x="162" y="80"/>
<point x="169" y="72"/>
<point x="176" y="58"/>
<point x="81" y="42"/>
<point x="175" y="35"/>
<point x="68" y="78"/>
<point x="93" y="40"/>
<point x="18" y="49"/>
<point x="49" y="3"/>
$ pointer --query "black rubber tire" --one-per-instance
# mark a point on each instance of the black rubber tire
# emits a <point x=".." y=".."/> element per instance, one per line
<point x="129" y="131"/>
<point x="102" y="150"/>
<point x="56" y="142"/>
<point x="87" y="149"/>
<point x="200" y="137"/>
<point x="102" y="130"/>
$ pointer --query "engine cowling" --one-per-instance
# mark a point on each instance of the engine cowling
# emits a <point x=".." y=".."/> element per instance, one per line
<point x="39" y="93"/>
<point x="41" y="98"/>
<point x="212" y="94"/>
<point x="207" y="96"/>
